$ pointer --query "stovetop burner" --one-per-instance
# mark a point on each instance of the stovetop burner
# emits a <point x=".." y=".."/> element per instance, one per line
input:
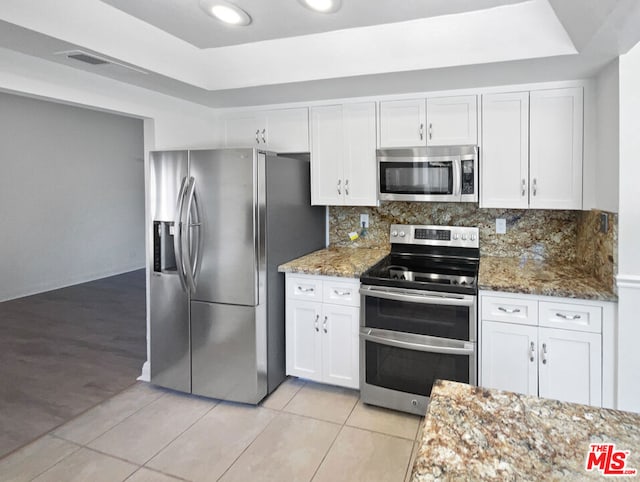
<point x="433" y="258"/>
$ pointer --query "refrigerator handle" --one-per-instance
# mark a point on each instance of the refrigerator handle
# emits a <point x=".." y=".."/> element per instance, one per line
<point x="195" y="222"/>
<point x="189" y="265"/>
<point x="177" y="238"/>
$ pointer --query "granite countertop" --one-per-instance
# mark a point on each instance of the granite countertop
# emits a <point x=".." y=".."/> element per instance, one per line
<point x="549" y="278"/>
<point x="335" y="261"/>
<point x="471" y="433"/>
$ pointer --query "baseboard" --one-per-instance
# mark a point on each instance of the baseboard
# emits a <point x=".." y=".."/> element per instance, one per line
<point x="145" y="376"/>
<point x="66" y="282"/>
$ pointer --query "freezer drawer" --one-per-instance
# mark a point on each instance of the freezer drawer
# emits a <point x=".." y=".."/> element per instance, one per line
<point x="229" y="352"/>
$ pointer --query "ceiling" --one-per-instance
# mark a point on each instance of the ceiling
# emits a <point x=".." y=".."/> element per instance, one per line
<point x="290" y="54"/>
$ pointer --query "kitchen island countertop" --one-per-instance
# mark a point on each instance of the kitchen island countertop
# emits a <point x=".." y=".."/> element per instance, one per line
<point x="472" y="433"/>
<point x="547" y="278"/>
<point x="335" y="261"/>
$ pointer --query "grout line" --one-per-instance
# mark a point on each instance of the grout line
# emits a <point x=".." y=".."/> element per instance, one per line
<point x="78" y="447"/>
<point x="315" y="472"/>
<point x="157" y="472"/>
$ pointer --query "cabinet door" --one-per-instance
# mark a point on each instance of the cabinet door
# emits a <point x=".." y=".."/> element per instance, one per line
<point x="287" y="130"/>
<point x="505" y="150"/>
<point x="303" y="340"/>
<point x="570" y="366"/>
<point x="241" y="130"/>
<point x="555" y="139"/>
<point x="340" y="345"/>
<point x="508" y="357"/>
<point x="452" y="121"/>
<point x="327" y="147"/>
<point x="359" y="121"/>
<point x="402" y="123"/>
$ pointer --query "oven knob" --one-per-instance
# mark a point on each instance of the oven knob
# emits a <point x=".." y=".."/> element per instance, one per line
<point x="402" y="235"/>
<point x="473" y="237"/>
<point x="394" y="234"/>
<point x="464" y="237"/>
<point x="455" y="236"/>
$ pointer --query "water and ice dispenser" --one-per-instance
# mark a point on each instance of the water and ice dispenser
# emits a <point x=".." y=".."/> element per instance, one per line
<point x="164" y="256"/>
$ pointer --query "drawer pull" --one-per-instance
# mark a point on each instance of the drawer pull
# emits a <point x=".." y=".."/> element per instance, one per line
<point x="342" y="293"/>
<point x="305" y="290"/>
<point x="565" y="317"/>
<point x="509" y="310"/>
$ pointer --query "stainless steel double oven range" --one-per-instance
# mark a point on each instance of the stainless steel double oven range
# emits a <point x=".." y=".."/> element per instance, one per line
<point x="418" y="316"/>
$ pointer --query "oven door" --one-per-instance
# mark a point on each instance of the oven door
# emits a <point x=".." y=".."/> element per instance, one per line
<point x="415" y="179"/>
<point x="398" y="370"/>
<point x="441" y="315"/>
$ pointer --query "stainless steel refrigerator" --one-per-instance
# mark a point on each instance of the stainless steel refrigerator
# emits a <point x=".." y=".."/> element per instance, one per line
<point x="222" y="221"/>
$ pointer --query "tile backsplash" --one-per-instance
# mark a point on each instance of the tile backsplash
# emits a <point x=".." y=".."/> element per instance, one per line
<point x="570" y="236"/>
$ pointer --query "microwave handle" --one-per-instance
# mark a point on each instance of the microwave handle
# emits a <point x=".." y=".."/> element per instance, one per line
<point x="457" y="177"/>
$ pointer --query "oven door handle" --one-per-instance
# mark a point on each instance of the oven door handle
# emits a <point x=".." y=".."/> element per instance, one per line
<point x="390" y="341"/>
<point x="426" y="299"/>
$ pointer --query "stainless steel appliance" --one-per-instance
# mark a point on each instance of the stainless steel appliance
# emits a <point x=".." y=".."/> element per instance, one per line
<point x="418" y="316"/>
<point x="221" y="222"/>
<point x="428" y="174"/>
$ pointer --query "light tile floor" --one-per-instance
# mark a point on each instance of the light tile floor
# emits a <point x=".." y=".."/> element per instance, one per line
<point x="302" y="432"/>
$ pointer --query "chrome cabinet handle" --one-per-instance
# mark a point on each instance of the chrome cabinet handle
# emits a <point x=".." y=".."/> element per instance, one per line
<point x="509" y="311"/>
<point x="264" y="140"/>
<point x="315" y="323"/>
<point x="565" y="317"/>
<point x="524" y="188"/>
<point x="346" y="187"/>
<point x="430" y="131"/>
<point x="324" y="325"/>
<point x="339" y="189"/>
<point x="257" y="138"/>
<point x="544" y="353"/>
<point x="342" y="293"/>
<point x="535" y="186"/>
<point x="532" y="352"/>
<point x="305" y="290"/>
<point x="421" y="132"/>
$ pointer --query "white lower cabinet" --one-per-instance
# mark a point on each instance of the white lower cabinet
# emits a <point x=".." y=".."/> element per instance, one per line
<point x="322" y="321"/>
<point x="525" y="356"/>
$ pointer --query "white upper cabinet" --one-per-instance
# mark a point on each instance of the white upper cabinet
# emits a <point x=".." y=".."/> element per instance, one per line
<point x="343" y="155"/>
<point x="531" y="151"/>
<point x="505" y="150"/>
<point x="282" y="130"/>
<point x="452" y="121"/>
<point x="438" y="121"/>
<point x="402" y="123"/>
<point x="556" y="149"/>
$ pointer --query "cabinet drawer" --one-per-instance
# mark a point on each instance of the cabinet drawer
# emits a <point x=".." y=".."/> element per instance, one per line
<point x="510" y="310"/>
<point x="571" y="317"/>
<point x="341" y="293"/>
<point x="304" y="288"/>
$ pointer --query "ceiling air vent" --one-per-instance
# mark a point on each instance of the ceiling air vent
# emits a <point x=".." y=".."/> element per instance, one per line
<point x="86" y="58"/>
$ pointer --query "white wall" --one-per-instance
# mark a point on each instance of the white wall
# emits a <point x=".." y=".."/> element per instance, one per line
<point x="71" y="195"/>
<point x="607" y="132"/>
<point x="629" y="234"/>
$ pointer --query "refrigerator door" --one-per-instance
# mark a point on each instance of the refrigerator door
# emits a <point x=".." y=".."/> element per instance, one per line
<point x="229" y="351"/>
<point x="226" y="187"/>
<point x="169" y="303"/>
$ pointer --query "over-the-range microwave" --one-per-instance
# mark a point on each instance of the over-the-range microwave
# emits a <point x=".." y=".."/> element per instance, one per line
<point x="447" y="174"/>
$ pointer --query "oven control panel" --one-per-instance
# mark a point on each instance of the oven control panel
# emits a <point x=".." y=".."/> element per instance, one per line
<point x="457" y="236"/>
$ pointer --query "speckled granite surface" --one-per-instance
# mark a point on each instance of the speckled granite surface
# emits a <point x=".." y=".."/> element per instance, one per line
<point x="472" y="433"/>
<point x="540" y="277"/>
<point x="336" y="261"/>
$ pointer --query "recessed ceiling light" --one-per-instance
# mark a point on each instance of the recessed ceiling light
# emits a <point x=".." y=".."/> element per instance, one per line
<point x="225" y="12"/>
<point x="322" y="6"/>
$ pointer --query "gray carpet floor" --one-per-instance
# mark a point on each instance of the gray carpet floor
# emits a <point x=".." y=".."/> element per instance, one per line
<point x="64" y="351"/>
